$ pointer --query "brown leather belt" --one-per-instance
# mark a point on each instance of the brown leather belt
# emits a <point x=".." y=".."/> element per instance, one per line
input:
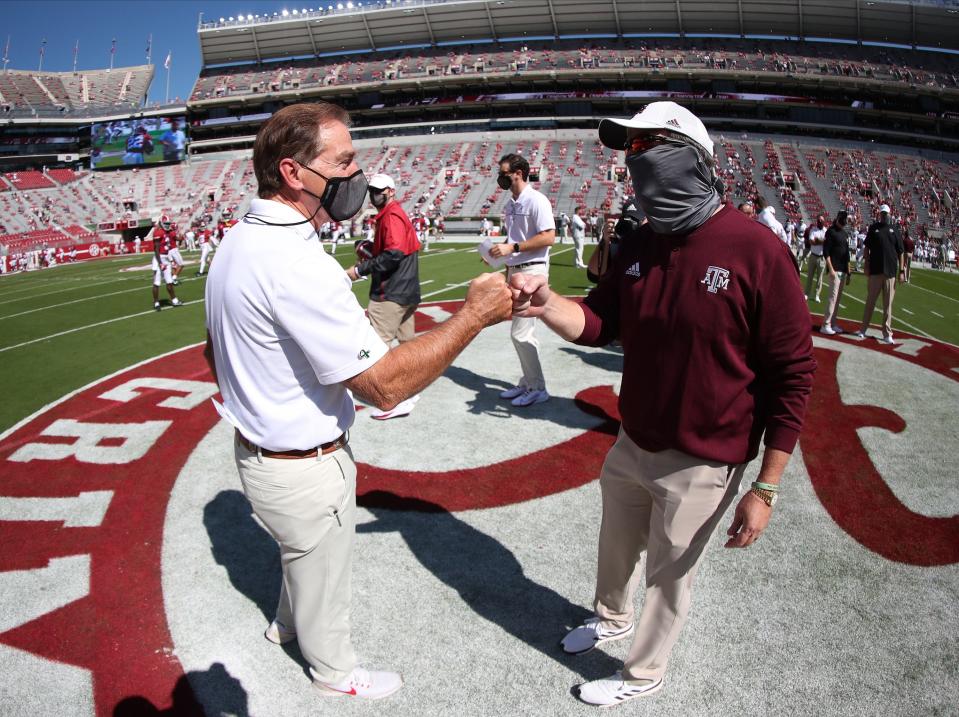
<point x="305" y="453"/>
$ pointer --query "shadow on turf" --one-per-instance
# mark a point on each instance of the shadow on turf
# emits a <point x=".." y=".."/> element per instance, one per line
<point x="563" y="411"/>
<point x="486" y="574"/>
<point x="220" y="692"/>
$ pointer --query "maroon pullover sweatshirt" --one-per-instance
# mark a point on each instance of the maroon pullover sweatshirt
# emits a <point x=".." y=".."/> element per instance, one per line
<point x="716" y="337"/>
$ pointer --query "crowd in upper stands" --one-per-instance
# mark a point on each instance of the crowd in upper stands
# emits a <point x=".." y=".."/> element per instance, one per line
<point x="912" y="68"/>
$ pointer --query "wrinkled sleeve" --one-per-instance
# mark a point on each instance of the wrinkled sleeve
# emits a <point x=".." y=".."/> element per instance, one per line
<point x="601" y="311"/>
<point x="783" y="341"/>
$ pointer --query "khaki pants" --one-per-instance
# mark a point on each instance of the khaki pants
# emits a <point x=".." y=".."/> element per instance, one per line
<point x="837" y="282"/>
<point x="392" y="321"/>
<point x="814" y="273"/>
<point x="309" y="507"/>
<point x="523" y="333"/>
<point x="668" y="504"/>
<point x="885" y="285"/>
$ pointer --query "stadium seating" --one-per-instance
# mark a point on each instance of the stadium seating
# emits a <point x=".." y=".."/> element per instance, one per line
<point x="800" y="177"/>
<point x="822" y="59"/>
<point x="121" y="87"/>
<point x="29" y="180"/>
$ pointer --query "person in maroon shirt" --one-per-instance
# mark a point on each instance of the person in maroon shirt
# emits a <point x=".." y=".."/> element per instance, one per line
<point x="716" y="336"/>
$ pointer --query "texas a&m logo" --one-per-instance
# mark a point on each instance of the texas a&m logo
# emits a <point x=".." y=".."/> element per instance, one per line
<point x="716" y="278"/>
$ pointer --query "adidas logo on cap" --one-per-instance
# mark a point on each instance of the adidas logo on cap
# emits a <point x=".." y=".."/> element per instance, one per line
<point x="673" y="122"/>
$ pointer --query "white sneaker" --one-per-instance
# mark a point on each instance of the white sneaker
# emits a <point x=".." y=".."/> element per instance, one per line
<point x="591" y="633"/>
<point x="828" y="330"/>
<point x="889" y="341"/>
<point x="614" y="689"/>
<point x="362" y="683"/>
<point x="176" y="302"/>
<point x="859" y="334"/>
<point x="403" y="408"/>
<point x="530" y="397"/>
<point x="837" y="329"/>
<point x="279" y="634"/>
<point x="512" y="393"/>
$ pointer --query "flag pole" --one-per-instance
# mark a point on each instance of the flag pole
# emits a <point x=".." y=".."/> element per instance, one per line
<point x="76" y="50"/>
<point x="6" y="54"/>
<point x="150" y="49"/>
<point x="169" y="61"/>
<point x="113" y="52"/>
<point x="43" y="48"/>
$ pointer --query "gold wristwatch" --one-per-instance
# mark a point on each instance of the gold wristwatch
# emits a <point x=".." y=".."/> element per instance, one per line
<point x="766" y="496"/>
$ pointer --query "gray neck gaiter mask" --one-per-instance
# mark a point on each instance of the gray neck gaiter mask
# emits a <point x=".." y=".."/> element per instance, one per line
<point x="675" y="188"/>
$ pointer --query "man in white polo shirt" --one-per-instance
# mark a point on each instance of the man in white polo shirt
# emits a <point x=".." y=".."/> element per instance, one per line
<point x="288" y="342"/>
<point x="530" y="232"/>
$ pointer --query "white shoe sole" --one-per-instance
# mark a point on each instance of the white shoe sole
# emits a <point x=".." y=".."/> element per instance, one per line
<point x="645" y="693"/>
<point x="278" y="637"/>
<point x="329" y="692"/>
<point x="609" y="638"/>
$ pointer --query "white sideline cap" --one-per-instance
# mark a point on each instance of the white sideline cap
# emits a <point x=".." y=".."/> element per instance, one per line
<point x="884" y="209"/>
<point x="382" y="181"/>
<point x="655" y="116"/>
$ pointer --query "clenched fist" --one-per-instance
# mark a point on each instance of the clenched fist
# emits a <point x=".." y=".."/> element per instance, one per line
<point x="489" y="299"/>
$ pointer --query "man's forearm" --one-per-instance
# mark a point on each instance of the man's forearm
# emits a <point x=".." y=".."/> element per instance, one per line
<point x="774" y="463"/>
<point x="539" y="241"/>
<point x="564" y="316"/>
<point x="410" y="367"/>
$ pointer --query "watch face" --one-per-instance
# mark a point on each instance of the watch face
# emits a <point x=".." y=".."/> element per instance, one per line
<point x="772" y="502"/>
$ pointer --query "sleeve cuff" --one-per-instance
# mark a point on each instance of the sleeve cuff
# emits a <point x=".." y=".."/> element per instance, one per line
<point x="781" y="438"/>
<point x="592" y="328"/>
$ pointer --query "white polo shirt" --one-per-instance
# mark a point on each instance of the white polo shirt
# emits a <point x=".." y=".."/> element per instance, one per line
<point x="817" y="234"/>
<point x="527" y="215"/>
<point x="286" y="331"/>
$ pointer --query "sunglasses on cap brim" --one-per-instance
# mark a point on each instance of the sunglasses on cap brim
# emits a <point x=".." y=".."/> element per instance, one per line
<point x="643" y="142"/>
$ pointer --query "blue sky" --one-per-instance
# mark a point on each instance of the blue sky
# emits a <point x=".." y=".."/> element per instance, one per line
<point x="63" y="22"/>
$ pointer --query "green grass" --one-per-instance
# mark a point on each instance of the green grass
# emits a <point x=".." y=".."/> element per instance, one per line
<point x="50" y="343"/>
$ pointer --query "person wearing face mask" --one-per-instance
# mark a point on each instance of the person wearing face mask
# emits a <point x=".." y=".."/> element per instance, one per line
<point x="716" y="338"/>
<point x="530" y="232"/>
<point x="289" y="345"/>
<point x="395" y="275"/>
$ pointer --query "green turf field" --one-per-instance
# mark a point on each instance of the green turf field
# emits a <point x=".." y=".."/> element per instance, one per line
<point x="64" y="327"/>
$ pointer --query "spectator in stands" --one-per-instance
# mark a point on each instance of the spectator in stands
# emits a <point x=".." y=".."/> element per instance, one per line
<point x="883" y="265"/>
<point x="748" y="209"/>
<point x="395" y="276"/>
<point x="530" y="232"/>
<point x="705" y="303"/>
<point x="767" y="217"/>
<point x="288" y="343"/>
<point x="835" y="251"/>
<point x="817" y="235"/>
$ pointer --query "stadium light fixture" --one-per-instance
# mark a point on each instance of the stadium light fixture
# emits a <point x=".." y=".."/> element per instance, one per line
<point x="294" y="11"/>
<point x="286" y="13"/>
<point x="349" y="5"/>
<point x="231" y="18"/>
<point x="222" y="19"/>
<point x="339" y="6"/>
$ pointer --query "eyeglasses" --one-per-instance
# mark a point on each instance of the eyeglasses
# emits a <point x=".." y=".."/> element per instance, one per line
<point x="644" y="142"/>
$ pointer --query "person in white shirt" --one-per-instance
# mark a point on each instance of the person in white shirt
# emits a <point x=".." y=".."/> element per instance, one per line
<point x="289" y="346"/>
<point x="814" y="271"/>
<point x="579" y="236"/>
<point x="530" y="232"/>
<point x="767" y="216"/>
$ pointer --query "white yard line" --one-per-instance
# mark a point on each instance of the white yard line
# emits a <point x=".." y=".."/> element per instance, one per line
<point x="72" y="288"/>
<point x="428" y="281"/>
<point x="904" y="323"/>
<point x="922" y="288"/>
<point x="90" y="326"/>
<point x="908" y="312"/>
<point x="75" y="301"/>
<point x="936" y="313"/>
<point x="449" y="287"/>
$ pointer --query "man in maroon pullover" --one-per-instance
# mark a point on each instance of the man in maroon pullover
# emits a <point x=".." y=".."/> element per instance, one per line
<point x="718" y="354"/>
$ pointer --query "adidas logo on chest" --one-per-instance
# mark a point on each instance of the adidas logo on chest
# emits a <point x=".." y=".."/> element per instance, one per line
<point x="634" y="270"/>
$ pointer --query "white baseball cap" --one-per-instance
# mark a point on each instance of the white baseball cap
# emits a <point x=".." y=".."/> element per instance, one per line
<point x="655" y="116"/>
<point x="884" y="208"/>
<point x="382" y="181"/>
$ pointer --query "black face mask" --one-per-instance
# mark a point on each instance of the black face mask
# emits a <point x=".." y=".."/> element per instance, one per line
<point x="378" y="198"/>
<point x="504" y="181"/>
<point x="343" y="196"/>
